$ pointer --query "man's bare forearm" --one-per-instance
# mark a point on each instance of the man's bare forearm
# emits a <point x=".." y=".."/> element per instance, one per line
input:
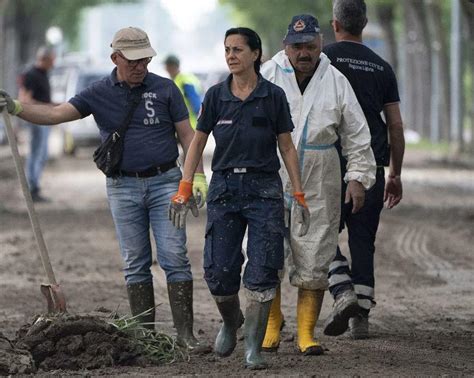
<point x="48" y="114"/>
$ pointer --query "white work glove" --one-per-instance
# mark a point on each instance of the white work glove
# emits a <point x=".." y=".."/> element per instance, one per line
<point x="302" y="215"/>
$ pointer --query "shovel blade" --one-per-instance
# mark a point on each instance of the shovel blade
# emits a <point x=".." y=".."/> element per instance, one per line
<point x="54" y="297"/>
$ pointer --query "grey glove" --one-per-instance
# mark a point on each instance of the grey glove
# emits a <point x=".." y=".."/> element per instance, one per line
<point x="13" y="107"/>
<point x="302" y="217"/>
<point x="177" y="212"/>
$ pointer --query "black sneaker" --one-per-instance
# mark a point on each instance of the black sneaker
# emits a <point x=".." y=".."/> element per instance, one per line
<point x="359" y="327"/>
<point x="345" y="307"/>
<point x="37" y="197"/>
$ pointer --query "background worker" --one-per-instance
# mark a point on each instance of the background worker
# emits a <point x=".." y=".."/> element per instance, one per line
<point x="249" y="117"/>
<point x="35" y="89"/>
<point x="375" y="86"/>
<point x="189" y="86"/>
<point x="139" y="193"/>
<point x="323" y="108"/>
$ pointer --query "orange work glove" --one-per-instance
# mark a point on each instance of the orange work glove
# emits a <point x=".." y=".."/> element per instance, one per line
<point x="181" y="203"/>
<point x="302" y="215"/>
<point x="185" y="191"/>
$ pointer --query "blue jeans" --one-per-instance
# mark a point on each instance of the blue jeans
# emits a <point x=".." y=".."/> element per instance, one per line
<point x="237" y="201"/>
<point x="136" y="204"/>
<point x="38" y="156"/>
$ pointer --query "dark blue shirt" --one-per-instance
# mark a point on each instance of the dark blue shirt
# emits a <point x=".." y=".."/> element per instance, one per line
<point x="151" y="137"/>
<point x="36" y="80"/>
<point x="245" y="131"/>
<point x="374" y="84"/>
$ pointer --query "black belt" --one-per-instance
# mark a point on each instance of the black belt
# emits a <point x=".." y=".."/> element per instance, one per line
<point x="150" y="172"/>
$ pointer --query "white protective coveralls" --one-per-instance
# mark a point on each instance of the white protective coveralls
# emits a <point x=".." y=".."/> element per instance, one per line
<point x="327" y="108"/>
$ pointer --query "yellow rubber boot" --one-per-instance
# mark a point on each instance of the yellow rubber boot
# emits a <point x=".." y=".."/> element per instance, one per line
<point x="307" y="312"/>
<point x="274" y="325"/>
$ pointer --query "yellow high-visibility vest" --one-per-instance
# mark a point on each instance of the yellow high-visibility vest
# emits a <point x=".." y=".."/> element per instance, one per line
<point x="181" y="80"/>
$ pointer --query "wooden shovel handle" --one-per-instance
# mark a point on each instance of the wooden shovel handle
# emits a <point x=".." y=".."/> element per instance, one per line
<point x="29" y="201"/>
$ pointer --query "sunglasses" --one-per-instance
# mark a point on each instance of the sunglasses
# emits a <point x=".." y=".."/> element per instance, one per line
<point x="136" y="62"/>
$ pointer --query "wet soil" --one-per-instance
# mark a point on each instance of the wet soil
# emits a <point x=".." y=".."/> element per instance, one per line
<point x="423" y="323"/>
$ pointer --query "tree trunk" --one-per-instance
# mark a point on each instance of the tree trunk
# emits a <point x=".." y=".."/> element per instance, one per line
<point x="440" y="51"/>
<point x="386" y="18"/>
<point x="3" y="60"/>
<point x="30" y="37"/>
<point x="423" y="63"/>
<point x="22" y="33"/>
<point x="417" y="67"/>
<point x="468" y="11"/>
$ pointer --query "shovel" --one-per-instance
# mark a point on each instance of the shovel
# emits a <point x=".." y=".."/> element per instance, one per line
<point x="51" y="290"/>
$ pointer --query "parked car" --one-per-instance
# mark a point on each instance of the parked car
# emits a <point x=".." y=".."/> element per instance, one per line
<point x="67" y="81"/>
<point x="82" y="132"/>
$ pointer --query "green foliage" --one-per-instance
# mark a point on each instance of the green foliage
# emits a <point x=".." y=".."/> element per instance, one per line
<point x="270" y="18"/>
<point x="62" y="13"/>
<point x="67" y="14"/>
<point x="425" y="145"/>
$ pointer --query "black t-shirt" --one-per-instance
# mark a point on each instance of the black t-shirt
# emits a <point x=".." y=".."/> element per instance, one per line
<point x="374" y="84"/>
<point x="36" y="80"/>
<point x="245" y="131"/>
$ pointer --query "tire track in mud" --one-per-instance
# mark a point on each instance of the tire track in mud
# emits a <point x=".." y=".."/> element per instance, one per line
<point x="412" y="244"/>
<point x="423" y="277"/>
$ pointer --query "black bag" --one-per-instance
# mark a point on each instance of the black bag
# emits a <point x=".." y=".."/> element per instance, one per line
<point x="108" y="155"/>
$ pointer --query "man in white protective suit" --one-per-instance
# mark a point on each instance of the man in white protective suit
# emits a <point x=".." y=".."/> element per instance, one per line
<point x="324" y="109"/>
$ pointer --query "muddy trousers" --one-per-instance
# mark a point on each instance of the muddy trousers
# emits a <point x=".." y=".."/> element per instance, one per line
<point x="362" y="229"/>
<point x="238" y="202"/>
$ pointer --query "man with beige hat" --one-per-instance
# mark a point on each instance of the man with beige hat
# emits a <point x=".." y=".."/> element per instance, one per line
<point x="140" y="189"/>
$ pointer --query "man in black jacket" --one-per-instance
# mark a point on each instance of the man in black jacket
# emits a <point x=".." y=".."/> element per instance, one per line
<point x="375" y="86"/>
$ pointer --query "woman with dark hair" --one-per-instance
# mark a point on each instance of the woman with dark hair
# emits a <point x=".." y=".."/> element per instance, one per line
<point x="249" y="117"/>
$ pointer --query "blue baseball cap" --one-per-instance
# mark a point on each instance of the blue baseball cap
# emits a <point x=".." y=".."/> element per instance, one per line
<point x="303" y="28"/>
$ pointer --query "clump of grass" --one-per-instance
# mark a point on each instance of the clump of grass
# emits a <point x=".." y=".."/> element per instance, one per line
<point x="158" y="347"/>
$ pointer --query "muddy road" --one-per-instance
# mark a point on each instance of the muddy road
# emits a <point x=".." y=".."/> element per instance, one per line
<point x="423" y="323"/>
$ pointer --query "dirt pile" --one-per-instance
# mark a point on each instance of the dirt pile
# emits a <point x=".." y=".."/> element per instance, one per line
<point x="72" y="342"/>
<point x="14" y="360"/>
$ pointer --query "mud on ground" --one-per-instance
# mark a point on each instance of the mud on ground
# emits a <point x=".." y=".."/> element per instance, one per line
<point x="423" y="323"/>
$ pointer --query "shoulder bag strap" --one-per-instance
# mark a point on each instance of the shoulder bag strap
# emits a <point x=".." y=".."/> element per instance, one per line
<point x="135" y="100"/>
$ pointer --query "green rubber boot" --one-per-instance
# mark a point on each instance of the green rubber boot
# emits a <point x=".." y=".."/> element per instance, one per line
<point x="256" y="318"/>
<point x="181" y="303"/>
<point x="229" y="308"/>
<point x="141" y="298"/>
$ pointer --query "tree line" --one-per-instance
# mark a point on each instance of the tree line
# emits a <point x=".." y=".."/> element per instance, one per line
<point x="417" y="34"/>
<point x="418" y="38"/>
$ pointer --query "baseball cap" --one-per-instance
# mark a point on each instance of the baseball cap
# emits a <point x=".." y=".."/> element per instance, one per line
<point x="303" y="28"/>
<point x="133" y="43"/>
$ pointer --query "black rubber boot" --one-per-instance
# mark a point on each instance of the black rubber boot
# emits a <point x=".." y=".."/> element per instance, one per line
<point x="142" y="302"/>
<point x="255" y="326"/>
<point x="229" y="308"/>
<point x="181" y="303"/>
